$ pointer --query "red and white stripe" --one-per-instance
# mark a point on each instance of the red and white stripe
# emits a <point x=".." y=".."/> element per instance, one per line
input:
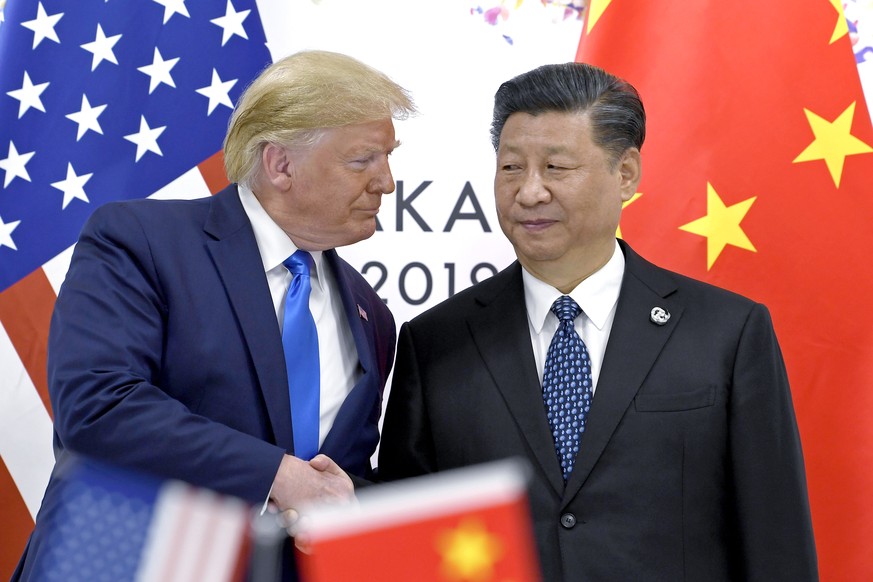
<point x="195" y="535"/>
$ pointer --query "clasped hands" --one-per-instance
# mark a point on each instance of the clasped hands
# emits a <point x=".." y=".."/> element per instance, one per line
<point x="300" y="483"/>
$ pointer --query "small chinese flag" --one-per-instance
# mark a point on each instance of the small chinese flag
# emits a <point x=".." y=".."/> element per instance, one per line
<point x="758" y="177"/>
<point x="466" y="525"/>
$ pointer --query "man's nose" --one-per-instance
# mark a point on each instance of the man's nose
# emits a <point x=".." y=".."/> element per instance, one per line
<point x="383" y="182"/>
<point x="532" y="190"/>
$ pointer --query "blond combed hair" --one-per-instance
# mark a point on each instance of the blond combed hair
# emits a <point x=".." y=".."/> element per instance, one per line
<point x="295" y="98"/>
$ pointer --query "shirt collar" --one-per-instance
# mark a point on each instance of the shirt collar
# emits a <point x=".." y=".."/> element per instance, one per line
<point x="596" y="295"/>
<point x="274" y="244"/>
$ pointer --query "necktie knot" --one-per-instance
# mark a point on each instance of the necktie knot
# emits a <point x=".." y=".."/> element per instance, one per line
<point x="300" y="263"/>
<point x="566" y="309"/>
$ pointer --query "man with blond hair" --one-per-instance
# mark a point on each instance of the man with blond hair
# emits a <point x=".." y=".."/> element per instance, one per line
<point x="222" y="341"/>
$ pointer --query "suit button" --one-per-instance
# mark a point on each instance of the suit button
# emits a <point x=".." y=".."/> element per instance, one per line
<point x="568" y="520"/>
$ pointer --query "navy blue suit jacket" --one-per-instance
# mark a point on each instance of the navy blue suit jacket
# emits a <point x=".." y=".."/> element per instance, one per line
<point x="690" y="467"/>
<point x="165" y="355"/>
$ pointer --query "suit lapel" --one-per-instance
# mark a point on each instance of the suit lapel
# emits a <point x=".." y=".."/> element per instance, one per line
<point x="351" y="416"/>
<point x="500" y="331"/>
<point x="634" y="344"/>
<point x="235" y="252"/>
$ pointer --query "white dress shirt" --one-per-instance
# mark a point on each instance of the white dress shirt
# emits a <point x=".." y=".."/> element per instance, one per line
<point x="597" y="296"/>
<point x="338" y="357"/>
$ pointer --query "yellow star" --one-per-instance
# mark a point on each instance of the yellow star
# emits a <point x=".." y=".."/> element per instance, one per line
<point x="721" y="225"/>
<point x="469" y="551"/>
<point x="623" y="206"/>
<point x="596" y="8"/>
<point x="842" y="27"/>
<point x="833" y="142"/>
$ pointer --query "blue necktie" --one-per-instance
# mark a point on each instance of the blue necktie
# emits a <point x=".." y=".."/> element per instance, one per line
<point x="300" y="342"/>
<point x="567" y="384"/>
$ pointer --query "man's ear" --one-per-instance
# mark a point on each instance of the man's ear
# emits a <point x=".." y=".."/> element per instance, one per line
<point x="630" y="170"/>
<point x="277" y="166"/>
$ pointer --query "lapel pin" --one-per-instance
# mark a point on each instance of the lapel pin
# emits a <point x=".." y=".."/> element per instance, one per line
<point x="363" y="313"/>
<point x="659" y="316"/>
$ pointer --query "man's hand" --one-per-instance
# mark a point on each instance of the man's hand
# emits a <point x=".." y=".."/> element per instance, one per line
<point x="295" y="524"/>
<point x="299" y="483"/>
<point x="320" y="480"/>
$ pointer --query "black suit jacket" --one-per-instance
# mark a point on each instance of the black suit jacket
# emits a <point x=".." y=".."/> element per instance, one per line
<point x="165" y="355"/>
<point x="690" y="467"/>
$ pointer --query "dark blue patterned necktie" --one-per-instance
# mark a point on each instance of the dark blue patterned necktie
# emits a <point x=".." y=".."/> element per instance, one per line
<point x="567" y="384"/>
<point x="300" y="342"/>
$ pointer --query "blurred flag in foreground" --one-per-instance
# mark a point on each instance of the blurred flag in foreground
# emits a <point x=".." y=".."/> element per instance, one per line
<point x="116" y="526"/>
<point x="470" y="524"/>
<point x="757" y="175"/>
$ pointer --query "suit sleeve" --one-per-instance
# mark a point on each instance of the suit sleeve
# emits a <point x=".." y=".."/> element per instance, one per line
<point x="106" y="348"/>
<point x="769" y="483"/>
<point x="406" y="449"/>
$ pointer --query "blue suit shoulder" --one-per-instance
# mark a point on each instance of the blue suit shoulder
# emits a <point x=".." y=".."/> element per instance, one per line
<point x="148" y="210"/>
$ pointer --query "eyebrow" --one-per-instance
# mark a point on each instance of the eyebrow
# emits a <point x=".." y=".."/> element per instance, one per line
<point x="548" y="150"/>
<point x="374" y="149"/>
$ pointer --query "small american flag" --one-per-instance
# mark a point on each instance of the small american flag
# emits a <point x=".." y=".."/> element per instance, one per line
<point x="115" y="525"/>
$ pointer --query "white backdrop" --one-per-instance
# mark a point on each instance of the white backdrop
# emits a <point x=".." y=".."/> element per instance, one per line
<point x="452" y="61"/>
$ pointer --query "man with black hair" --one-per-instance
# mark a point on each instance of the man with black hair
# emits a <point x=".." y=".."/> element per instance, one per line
<point x="654" y="409"/>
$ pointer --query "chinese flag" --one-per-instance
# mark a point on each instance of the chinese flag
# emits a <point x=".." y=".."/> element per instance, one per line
<point x="758" y="177"/>
<point x="466" y="525"/>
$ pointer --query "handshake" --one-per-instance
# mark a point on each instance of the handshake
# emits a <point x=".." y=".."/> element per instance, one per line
<point x="300" y="483"/>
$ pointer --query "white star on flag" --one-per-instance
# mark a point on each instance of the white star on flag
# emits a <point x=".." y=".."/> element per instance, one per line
<point x="15" y="164"/>
<point x="159" y="71"/>
<point x="172" y="7"/>
<point x="217" y="92"/>
<point x="73" y="186"/>
<point x="231" y="23"/>
<point x="146" y="139"/>
<point x="6" y="229"/>
<point x="101" y="48"/>
<point x="43" y="26"/>
<point x="86" y="117"/>
<point x="28" y="95"/>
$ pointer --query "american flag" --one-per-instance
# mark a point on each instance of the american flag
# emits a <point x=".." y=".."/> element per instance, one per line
<point x="115" y="525"/>
<point x="100" y="100"/>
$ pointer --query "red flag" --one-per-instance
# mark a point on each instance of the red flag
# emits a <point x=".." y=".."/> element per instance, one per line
<point x="470" y="525"/>
<point x="756" y="177"/>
